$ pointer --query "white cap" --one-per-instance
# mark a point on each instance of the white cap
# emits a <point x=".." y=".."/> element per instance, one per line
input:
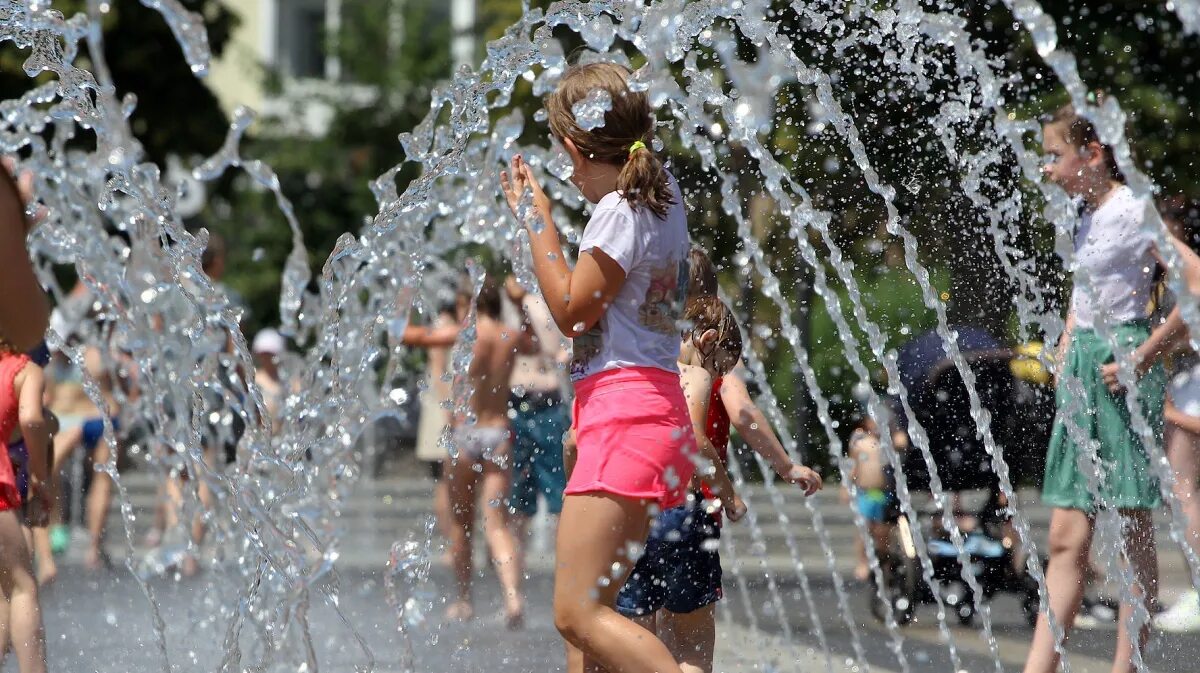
<point x="267" y="341"/>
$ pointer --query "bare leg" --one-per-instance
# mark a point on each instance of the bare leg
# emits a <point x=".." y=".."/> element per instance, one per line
<point x="578" y="663"/>
<point x="441" y="506"/>
<point x="691" y="637"/>
<point x="461" y="481"/>
<point x="1140" y="554"/>
<point x="1182" y="450"/>
<point x="1070" y="543"/>
<point x="99" y="499"/>
<point x="191" y="565"/>
<point x="172" y="501"/>
<point x="497" y="483"/>
<point x="39" y="541"/>
<point x="24" y="617"/>
<point x="159" y="526"/>
<point x="65" y="444"/>
<point x="862" y="569"/>
<point x="593" y="534"/>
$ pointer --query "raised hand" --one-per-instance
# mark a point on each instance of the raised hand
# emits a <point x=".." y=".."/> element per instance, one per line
<point x="513" y="185"/>
<point x="515" y="292"/>
<point x="516" y="180"/>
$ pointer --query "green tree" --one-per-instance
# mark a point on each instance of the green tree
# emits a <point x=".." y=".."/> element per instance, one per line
<point x="394" y="51"/>
<point x="176" y="112"/>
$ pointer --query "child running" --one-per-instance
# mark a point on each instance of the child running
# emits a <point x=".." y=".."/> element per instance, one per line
<point x="21" y="391"/>
<point x="676" y="583"/>
<point x="620" y="304"/>
<point x="1108" y="307"/>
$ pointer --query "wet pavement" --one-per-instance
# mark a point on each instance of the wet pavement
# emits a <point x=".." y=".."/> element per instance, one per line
<point x="103" y="621"/>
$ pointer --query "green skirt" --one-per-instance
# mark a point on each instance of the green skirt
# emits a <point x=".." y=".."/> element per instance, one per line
<point x="1124" y="478"/>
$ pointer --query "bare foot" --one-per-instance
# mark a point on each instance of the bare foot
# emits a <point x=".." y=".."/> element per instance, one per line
<point x="47" y="572"/>
<point x="95" y="559"/>
<point x="460" y="611"/>
<point x="862" y="572"/>
<point x="153" y="537"/>
<point x="514" y="613"/>
<point x="446" y="560"/>
<point x="189" y="566"/>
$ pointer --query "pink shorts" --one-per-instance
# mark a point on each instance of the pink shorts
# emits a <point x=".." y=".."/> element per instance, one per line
<point x="633" y="436"/>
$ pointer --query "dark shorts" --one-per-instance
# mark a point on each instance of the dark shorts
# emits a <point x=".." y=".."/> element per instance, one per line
<point x="537" y="431"/>
<point x="18" y="455"/>
<point x="436" y="469"/>
<point x="93" y="432"/>
<point x="680" y="569"/>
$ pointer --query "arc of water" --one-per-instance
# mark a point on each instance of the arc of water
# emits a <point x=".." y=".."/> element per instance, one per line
<point x="133" y="185"/>
<point x="296" y="274"/>
<point x="730" y="205"/>
<point x="772" y="172"/>
<point x="735" y="472"/>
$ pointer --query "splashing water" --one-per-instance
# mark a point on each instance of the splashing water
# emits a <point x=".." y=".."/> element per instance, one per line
<point x="721" y="76"/>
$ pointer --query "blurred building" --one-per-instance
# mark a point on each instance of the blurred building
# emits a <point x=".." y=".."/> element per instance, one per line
<point x="283" y="59"/>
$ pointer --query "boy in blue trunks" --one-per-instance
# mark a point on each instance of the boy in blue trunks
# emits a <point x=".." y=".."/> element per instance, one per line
<point x="875" y="498"/>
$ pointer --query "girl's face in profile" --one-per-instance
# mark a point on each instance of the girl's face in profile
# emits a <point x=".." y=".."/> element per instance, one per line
<point x="1080" y="171"/>
<point x="1064" y="162"/>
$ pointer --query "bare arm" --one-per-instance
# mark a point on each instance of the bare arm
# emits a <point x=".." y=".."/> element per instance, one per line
<point x="1172" y="415"/>
<point x="1173" y="332"/>
<point x="1170" y="333"/>
<point x="752" y="425"/>
<point x="430" y="337"/>
<point x="697" y="390"/>
<point x="33" y="419"/>
<point x="576" y="298"/>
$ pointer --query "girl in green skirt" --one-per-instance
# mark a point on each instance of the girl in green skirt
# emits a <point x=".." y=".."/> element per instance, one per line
<point x="1096" y="458"/>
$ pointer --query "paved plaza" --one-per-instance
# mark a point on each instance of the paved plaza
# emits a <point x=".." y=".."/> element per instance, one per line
<point x="102" y="622"/>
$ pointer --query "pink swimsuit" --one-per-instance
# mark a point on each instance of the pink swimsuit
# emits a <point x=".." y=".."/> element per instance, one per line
<point x="10" y="365"/>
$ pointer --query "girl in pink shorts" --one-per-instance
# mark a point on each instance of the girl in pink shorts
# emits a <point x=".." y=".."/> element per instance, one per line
<point x="621" y="305"/>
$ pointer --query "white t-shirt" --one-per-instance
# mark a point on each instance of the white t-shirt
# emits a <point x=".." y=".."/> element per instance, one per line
<point x="641" y="327"/>
<point x="1113" y="265"/>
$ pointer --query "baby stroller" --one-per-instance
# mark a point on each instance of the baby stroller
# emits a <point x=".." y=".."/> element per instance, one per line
<point x="1022" y="413"/>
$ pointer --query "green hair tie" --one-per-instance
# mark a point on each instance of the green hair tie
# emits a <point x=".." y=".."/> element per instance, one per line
<point x="637" y="145"/>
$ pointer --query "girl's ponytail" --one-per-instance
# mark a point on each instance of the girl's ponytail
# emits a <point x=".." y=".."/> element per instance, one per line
<point x="643" y="181"/>
<point x="622" y="139"/>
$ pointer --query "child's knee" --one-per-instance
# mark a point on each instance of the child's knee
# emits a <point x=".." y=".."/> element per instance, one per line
<point x="1068" y="543"/>
<point x="571" y="618"/>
